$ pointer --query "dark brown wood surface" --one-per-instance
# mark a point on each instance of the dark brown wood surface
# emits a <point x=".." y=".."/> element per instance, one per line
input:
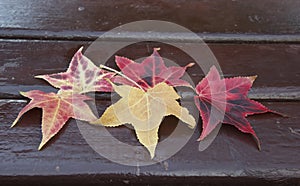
<point x="248" y="37"/>
<point x="232" y="154"/>
<point x="275" y="64"/>
<point x="221" y="16"/>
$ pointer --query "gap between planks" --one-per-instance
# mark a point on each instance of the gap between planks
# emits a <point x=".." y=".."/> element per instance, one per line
<point x="267" y="93"/>
<point x="181" y="37"/>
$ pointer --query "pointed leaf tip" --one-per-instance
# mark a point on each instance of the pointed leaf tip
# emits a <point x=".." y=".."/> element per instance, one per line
<point x="190" y="65"/>
<point x="39" y="76"/>
<point x="23" y="93"/>
<point x="14" y="123"/>
<point x="252" y="78"/>
<point x="151" y="150"/>
<point x="41" y="146"/>
<point x="257" y="141"/>
<point x="80" y="49"/>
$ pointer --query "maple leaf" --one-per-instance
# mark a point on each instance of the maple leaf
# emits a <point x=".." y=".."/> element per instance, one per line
<point x="228" y="98"/>
<point x="150" y="72"/>
<point x="82" y="76"/>
<point x="57" y="110"/>
<point x="144" y="110"/>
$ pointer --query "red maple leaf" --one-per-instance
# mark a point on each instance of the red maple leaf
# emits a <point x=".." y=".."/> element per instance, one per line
<point x="57" y="110"/>
<point x="82" y="76"/>
<point x="225" y="101"/>
<point x="150" y="72"/>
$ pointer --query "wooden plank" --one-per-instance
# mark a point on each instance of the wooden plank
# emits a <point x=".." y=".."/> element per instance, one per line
<point x="141" y="180"/>
<point x="117" y="180"/>
<point x="45" y="35"/>
<point x="233" y="157"/>
<point x="222" y="16"/>
<point x="275" y="64"/>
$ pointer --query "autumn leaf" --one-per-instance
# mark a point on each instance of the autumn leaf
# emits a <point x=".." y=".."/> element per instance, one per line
<point x="82" y="76"/>
<point x="151" y="72"/>
<point x="145" y="110"/>
<point x="57" y="110"/>
<point x="228" y="98"/>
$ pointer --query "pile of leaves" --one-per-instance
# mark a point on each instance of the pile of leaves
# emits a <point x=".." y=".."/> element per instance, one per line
<point x="147" y="96"/>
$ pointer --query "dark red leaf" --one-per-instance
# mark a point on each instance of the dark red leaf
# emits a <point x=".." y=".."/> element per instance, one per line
<point x="225" y="101"/>
<point x="151" y="72"/>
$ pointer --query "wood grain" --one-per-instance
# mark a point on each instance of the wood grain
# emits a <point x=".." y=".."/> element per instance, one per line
<point x="247" y="37"/>
<point x="70" y="18"/>
<point x="232" y="154"/>
<point x="275" y="64"/>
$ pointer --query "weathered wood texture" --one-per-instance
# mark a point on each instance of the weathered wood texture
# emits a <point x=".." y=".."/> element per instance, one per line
<point x="222" y="16"/>
<point x="277" y="65"/>
<point x="248" y="37"/>
<point x="232" y="154"/>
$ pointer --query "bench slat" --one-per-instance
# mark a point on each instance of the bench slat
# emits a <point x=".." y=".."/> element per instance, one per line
<point x="232" y="154"/>
<point x="275" y="64"/>
<point x="82" y="17"/>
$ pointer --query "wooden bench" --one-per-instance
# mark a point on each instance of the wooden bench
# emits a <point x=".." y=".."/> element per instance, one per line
<point x="247" y="37"/>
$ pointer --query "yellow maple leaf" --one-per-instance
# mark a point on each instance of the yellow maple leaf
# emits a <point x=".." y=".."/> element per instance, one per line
<point x="145" y="110"/>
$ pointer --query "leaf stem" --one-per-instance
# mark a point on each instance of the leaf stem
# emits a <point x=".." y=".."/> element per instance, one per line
<point x="121" y="74"/>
